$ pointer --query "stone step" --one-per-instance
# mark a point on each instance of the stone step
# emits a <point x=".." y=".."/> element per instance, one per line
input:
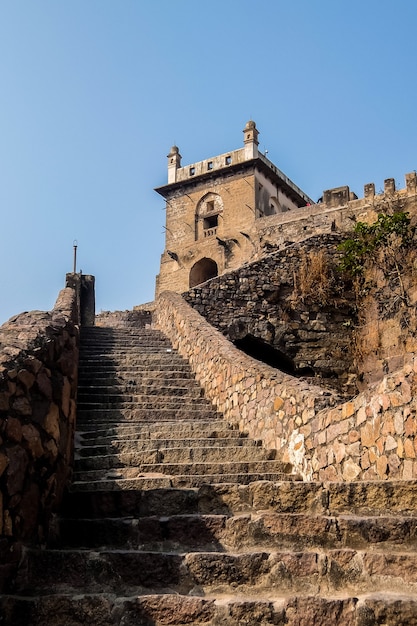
<point x="140" y="356"/>
<point x="112" y="467"/>
<point x="112" y="445"/>
<point x="156" y="400"/>
<point x="143" y="385"/>
<point x="149" y="351"/>
<point x="146" y="414"/>
<point x="134" y="457"/>
<point x="134" y="572"/>
<point x="332" y="499"/>
<point x="241" y="533"/>
<point x="122" y="347"/>
<point x="158" y="480"/>
<point x="101" y="609"/>
<point x="134" y="376"/>
<point x="210" y="428"/>
<point x="136" y="396"/>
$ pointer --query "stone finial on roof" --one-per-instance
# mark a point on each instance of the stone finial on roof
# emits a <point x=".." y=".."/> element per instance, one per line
<point x="250" y="140"/>
<point x="174" y="162"/>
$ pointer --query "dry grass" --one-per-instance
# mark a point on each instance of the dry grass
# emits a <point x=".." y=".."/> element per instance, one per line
<point x="314" y="278"/>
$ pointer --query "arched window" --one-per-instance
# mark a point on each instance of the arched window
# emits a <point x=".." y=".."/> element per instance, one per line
<point x="203" y="270"/>
<point x="208" y="212"/>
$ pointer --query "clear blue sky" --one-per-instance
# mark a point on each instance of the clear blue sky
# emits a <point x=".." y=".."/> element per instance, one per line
<point x="93" y="93"/>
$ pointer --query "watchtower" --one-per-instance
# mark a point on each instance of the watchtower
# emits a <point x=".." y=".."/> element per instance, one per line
<point x="212" y="208"/>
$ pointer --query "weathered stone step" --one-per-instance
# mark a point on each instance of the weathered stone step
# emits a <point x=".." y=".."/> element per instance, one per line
<point x="136" y="358"/>
<point x="175" y="610"/>
<point x="113" y="445"/>
<point x="143" y="385"/>
<point x="129" y="341"/>
<point x="176" y="394"/>
<point x="127" y="572"/>
<point x="209" y="454"/>
<point x="112" y="466"/>
<point x="242" y="532"/>
<point x="165" y="481"/>
<point x="334" y="499"/>
<point x="211" y="428"/>
<point x="132" y="371"/>
<point x="144" y="352"/>
<point x="145" y="401"/>
<point x="134" y="376"/>
<point x="186" y="412"/>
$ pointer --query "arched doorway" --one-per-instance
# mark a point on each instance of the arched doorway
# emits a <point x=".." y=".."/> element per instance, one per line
<point x="203" y="270"/>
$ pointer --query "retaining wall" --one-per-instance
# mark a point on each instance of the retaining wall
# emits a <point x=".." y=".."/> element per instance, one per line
<point x="262" y="401"/>
<point x="38" y="386"/>
<point x="371" y="437"/>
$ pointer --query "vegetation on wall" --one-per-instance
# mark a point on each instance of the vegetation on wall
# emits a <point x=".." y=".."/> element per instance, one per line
<point x="376" y="256"/>
<point x="388" y="233"/>
<point x="380" y="260"/>
<point x="316" y="280"/>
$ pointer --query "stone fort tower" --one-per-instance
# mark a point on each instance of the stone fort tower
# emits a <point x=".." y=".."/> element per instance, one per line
<point x="213" y="208"/>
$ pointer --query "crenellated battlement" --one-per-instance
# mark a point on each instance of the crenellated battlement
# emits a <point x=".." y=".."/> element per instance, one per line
<point x="340" y="196"/>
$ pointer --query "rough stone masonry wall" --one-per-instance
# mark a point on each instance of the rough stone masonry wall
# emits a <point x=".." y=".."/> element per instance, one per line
<point x="268" y="300"/>
<point x="38" y="384"/>
<point x="371" y="437"/>
<point x="262" y="401"/>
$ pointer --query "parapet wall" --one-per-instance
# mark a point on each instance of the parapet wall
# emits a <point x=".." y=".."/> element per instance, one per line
<point x="371" y="437"/>
<point x="38" y="386"/>
<point x="337" y="211"/>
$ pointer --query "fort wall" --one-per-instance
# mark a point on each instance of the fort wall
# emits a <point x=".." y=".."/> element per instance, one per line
<point x="294" y="301"/>
<point x="370" y="437"/>
<point x="38" y="386"/>
<point x="256" y="398"/>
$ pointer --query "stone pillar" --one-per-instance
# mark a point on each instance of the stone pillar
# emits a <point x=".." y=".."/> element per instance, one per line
<point x="84" y="286"/>
<point x="411" y="182"/>
<point x="369" y="190"/>
<point x="389" y="185"/>
<point x="87" y="300"/>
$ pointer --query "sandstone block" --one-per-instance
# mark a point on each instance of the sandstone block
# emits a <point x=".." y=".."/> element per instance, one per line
<point x="382" y="466"/>
<point x="351" y="470"/>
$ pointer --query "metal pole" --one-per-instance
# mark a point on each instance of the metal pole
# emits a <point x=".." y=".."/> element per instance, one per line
<point x="75" y="255"/>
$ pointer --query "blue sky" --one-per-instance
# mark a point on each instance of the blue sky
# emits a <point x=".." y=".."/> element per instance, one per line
<point x="93" y="93"/>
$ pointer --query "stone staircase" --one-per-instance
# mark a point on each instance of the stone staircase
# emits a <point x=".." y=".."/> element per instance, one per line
<point x="175" y="518"/>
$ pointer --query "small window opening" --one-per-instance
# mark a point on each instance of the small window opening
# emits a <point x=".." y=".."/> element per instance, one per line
<point x="228" y="160"/>
<point x="210" y="165"/>
<point x="210" y="222"/>
<point x="192" y="171"/>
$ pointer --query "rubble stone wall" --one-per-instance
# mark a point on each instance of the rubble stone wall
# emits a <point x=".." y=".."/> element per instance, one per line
<point x="38" y="386"/>
<point x="260" y="400"/>
<point x="371" y="437"/>
<point x="267" y="300"/>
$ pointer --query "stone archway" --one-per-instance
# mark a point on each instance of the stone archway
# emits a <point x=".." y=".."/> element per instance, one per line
<point x="203" y="270"/>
